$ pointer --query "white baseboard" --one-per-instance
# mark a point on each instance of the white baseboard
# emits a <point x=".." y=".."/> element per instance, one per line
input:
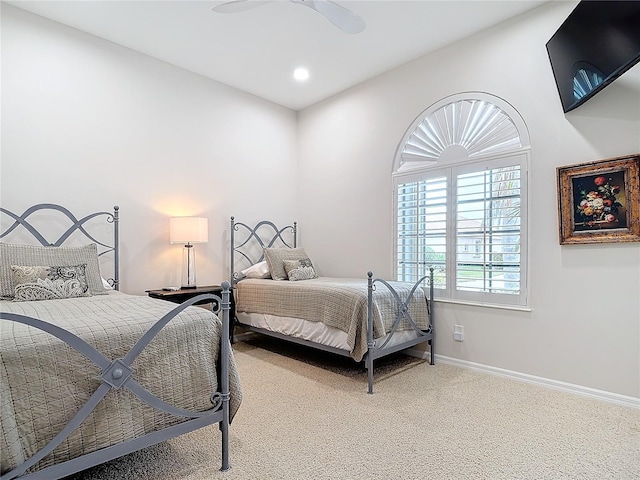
<point x="624" y="400"/>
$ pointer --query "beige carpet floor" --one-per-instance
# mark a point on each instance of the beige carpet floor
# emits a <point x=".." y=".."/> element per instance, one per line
<point x="306" y="415"/>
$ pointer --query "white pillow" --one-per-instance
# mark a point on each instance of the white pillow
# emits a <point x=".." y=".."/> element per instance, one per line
<point x="106" y="284"/>
<point x="259" y="270"/>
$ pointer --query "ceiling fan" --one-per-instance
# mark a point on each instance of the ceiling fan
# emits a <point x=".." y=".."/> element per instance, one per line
<point x="341" y="17"/>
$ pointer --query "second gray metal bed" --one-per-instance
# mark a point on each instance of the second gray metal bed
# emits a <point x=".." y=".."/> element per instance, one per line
<point x="364" y="319"/>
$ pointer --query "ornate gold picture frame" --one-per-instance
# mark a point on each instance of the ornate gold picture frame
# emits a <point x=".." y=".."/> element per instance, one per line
<point x="599" y="201"/>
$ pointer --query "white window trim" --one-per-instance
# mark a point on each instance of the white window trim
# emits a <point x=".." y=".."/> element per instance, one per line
<point x="450" y="165"/>
<point x="505" y="106"/>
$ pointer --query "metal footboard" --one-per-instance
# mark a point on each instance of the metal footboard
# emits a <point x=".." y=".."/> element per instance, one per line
<point x="427" y="335"/>
<point x="117" y="373"/>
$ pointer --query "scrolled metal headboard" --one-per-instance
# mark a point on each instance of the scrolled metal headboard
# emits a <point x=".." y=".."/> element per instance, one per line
<point x="77" y="225"/>
<point x="264" y="234"/>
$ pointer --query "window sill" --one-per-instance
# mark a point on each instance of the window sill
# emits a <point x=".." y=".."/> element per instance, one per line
<point x="517" y="308"/>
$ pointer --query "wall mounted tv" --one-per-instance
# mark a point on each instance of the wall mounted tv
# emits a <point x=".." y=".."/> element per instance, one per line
<point x="598" y="42"/>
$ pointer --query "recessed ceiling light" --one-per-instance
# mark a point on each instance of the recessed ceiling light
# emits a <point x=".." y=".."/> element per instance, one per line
<point x="301" y="74"/>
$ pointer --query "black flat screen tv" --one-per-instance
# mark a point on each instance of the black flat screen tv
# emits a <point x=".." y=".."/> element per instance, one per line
<point x="598" y="42"/>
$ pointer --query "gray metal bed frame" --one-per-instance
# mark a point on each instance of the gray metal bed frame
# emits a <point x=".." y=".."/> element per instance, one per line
<point x="266" y="234"/>
<point x="117" y="373"/>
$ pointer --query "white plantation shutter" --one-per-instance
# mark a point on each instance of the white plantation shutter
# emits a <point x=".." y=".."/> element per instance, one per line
<point x="489" y="217"/>
<point x="477" y="127"/>
<point x="461" y="202"/>
<point x="422" y="228"/>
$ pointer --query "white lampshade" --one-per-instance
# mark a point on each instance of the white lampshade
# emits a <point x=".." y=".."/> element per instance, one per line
<point x="188" y="230"/>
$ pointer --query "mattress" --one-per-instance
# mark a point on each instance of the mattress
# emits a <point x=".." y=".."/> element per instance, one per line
<point x="316" y="332"/>
<point x="44" y="382"/>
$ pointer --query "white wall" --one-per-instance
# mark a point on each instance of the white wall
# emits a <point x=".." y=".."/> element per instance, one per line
<point x="584" y="327"/>
<point x="89" y="124"/>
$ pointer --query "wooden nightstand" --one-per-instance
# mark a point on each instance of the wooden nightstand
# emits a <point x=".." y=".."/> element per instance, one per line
<point x="179" y="296"/>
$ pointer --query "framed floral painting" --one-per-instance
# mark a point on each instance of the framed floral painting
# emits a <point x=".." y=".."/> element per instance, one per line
<point x="600" y="201"/>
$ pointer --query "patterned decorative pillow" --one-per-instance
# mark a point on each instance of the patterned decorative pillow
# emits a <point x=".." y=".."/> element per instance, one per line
<point x="299" y="269"/>
<point x="14" y="254"/>
<point x="49" y="283"/>
<point x="275" y="258"/>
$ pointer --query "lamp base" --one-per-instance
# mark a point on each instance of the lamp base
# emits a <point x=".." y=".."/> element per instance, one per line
<point x="188" y="266"/>
<point x="188" y="286"/>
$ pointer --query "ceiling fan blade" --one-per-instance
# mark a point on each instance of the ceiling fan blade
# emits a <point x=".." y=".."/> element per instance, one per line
<point x="341" y="17"/>
<point x="238" y="5"/>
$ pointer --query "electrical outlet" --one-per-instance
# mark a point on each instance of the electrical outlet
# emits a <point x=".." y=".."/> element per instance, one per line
<point x="458" y="333"/>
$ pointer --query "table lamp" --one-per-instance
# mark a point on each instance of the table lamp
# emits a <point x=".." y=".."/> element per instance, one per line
<point x="188" y="230"/>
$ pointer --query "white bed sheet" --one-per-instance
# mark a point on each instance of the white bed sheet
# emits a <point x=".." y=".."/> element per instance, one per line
<point x="316" y="332"/>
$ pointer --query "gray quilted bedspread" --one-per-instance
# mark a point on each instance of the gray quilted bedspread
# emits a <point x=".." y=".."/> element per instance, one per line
<point x="337" y="302"/>
<point x="43" y="382"/>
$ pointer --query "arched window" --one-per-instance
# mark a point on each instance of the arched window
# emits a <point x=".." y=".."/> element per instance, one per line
<point x="460" y="190"/>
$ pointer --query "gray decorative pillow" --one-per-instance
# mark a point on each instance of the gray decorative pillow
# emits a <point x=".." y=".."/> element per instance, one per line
<point x="49" y="283"/>
<point x="275" y="258"/>
<point x="299" y="269"/>
<point x="32" y="255"/>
